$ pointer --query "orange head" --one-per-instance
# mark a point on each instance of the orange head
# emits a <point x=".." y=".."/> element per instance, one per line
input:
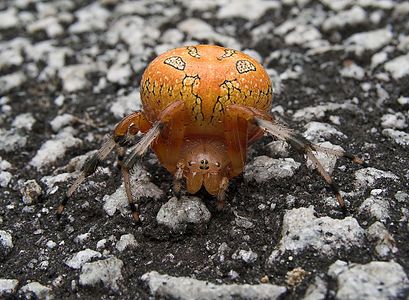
<point x="205" y="162"/>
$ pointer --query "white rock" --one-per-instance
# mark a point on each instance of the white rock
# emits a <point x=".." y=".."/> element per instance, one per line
<point x="353" y="71"/>
<point x="352" y="17"/>
<point x="375" y="207"/>
<point x="172" y="36"/>
<point x="398" y="67"/>
<point x="403" y="100"/>
<point x="378" y="59"/>
<point x="50" y="25"/>
<point x="338" y="5"/>
<point x="140" y="186"/>
<point x="74" y="76"/>
<point x="5" y="178"/>
<point x="375" y="280"/>
<point x="401" y="9"/>
<point x="124" y="105"/>
<point x="40" y="291"/>
<point x="6" y="241"/>
<point x="302" y="34"/>
<point x="247" y="256"/>
<point x="264" y="168"/>
<point x="101" y="244"/>
<point x="107" y="271"/>
<point x="385" y="243"/>
<point x="318" y="132"/>
<point x="301" y="231"/>
<point x="327" y="160"/>
<point x="11" y="140"/>
<point x="178" y="213"/>
<point x="319" y="111"/>
<point x="248" y="10"/>
<point x="4" y="164"/>
<point x="120" y="73"/>
<point x="126" y="241"/>
<point x="395" y="121"/>
<point x="11" y="81"/>
<point x="90" y="18"/>
<point x="54" y="149"/>
<point x="317" y="290"/>
<point x="8" y="286"/>
<point x="8" y="18"/>
<point x="184" y="288"/>
<point x="367" y="177"/>
<point x="400" y="137"/>
<point x="78" y="259"/>
<point x="200" y="30"/>
<point x="61" y="121"/>
<point x="24" y="121"/>
<point x="51" y="244"/>
<point x="369" y="40"/>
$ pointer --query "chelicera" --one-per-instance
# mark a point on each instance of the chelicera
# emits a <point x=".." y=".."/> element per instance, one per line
<point x="202" y="107"/>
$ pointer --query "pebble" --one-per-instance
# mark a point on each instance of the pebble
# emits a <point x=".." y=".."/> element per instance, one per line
<point x="126" y="241"/>
<point x="62" y="121"/>
<point x="352" y="17"/>
<point x="77" y="260"/>
<point x="184" y="288"/>
<point x="375" y="280"/>
<point x="6" y="242"/>
<point x="319" y="132"/>
<point x="398" y="67"/>
<point x="90" y="18"/>
<point x="398" y="136"/>
<point x="367" y="177"/>
<point x="369" y="40"/>
<point x="39" y="291"/>
<point x="11" y="140"/>
<point x="140" y="186"/>
<point x="5" y="178"/>
<point x="327" y="160"/>
<point x="376" y="207"/>
<point x="74" y="76"/>
<point x="317" y="290"/>
<point x="178" y="213"/>
<point x="247" y="10"/>
<point x="126" y="104"/>
<point x="8" y="18"/>
<point x="30" y="191"/>
<point x="248" y="257"/>
<point x="107" y="272"/>
<point x="8" y="286"/>
<point x="354" y="71"/>
<point x="302" y="231"/>
<point x="385" y="244"/>
<point x="11" y="81"/>
<point x="54" y="149"/>
<point x="318" y="112"/>
<point x="24" y="121"/>
<point x="264" y="168"/>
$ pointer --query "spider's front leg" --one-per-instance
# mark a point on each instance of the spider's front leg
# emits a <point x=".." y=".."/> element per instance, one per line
<point x="128" y="127"/>
<point x="300" y="144"/>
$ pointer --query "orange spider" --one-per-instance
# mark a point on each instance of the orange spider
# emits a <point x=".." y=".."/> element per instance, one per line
<point x="202" y="107"/>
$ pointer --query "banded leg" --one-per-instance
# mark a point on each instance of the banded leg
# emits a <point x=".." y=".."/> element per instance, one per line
<point x="127" y="128"/>
<point x="297" y="141"/>
<point x="166" y="116"/>
<point x="221" y="195"/>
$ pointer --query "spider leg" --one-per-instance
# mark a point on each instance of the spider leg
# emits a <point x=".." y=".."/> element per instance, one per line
<point x="297" y="141"/>
<point x="128" y="127"/>
<point x="221" y="194"/>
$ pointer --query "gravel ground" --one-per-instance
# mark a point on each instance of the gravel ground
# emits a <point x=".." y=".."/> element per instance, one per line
<point x="70" y="70"/>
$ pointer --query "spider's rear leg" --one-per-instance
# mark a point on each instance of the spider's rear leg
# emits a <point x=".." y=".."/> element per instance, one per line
<point x="304" y="146"/>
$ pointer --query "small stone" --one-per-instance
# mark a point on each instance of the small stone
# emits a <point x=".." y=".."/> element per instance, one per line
<point x="81" y="238"/>
<point x="327" y="160"/>
<point x="51" y="244"/>
<point x="319" y="132"/>
<point x="264" y="168"/>
<point x="126" y="241"/>
<point x="352" y="70"/>
<point x="184" y="288"/>
<point x="395" y="121"/>
<point x="101" y="244"/>
<point x="398" y="67"/>
<point x="367" y="177"/>
<point x="248" y="10"/>
<point x="5" y="178"/>
<point x="317" y="290"/>
<point x="8" y="18"/>
<point x="352" y="17"/>
<point x="301" y="230"/>
<point x="38" y="290"/>
<point x="8" y="286"/>
<point x="178" y="213"/>
<point x="246" y="256"/>
<point x="278" y="149"/>
<point x="24" y="121"/>
<point x="31" y="191"/>
<point x="295" y="277"/>
<point x="54" y="149"/>
<point x="11" y="81"/>
<point x="124" y="105"/>
<point x="375" y="280"/>
<point x="77" y="260"/>
<point x="61" y="121"/>
<point x="107" y="271"/>
<point x="6" y="242"/>
<point x="369" y="40"/>
<point x="375" y="207"/>
<point x="398" y="136"/>
<point x="385" y="244"/>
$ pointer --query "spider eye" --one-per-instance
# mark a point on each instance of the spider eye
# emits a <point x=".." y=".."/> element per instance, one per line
<point x="189" y="163"/>
<point x="217" y="164"/>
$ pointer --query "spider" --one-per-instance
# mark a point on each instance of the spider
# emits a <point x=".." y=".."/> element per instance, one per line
<point x="202" y="107"/>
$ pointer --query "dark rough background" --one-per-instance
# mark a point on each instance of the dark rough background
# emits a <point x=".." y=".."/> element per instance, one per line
<point x="317" y="80"/>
